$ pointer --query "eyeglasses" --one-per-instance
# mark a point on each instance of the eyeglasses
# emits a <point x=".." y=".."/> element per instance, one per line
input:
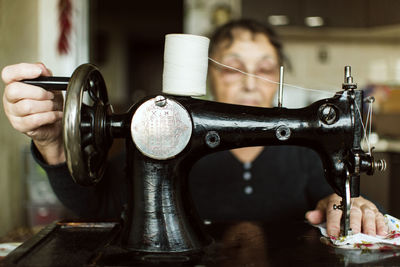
<point x="236" y="70"/>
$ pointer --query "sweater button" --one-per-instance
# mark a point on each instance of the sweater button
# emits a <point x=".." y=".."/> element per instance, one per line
<point x="247" y="176"/>
<point x="248" y="190"/>
<point x="247" y="165"/>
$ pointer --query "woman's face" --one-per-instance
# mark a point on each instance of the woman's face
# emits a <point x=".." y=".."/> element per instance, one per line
<point x="252" y="53"/>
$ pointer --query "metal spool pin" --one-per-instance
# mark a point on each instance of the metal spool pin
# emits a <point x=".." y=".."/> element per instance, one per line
<point x="348" y="79"/>
<point x="280" y="94"/>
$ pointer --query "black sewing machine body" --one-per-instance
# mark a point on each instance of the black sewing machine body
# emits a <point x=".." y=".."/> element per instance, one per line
<point x="218" y="126"/>
<point x="165" y="135"/>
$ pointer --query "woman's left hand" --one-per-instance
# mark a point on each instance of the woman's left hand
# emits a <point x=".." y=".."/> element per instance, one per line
<point x="364" y="216"/>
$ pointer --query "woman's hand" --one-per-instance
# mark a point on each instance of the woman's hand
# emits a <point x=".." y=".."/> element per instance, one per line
<point x="33" y="110"/>
<point x="364" y="216"/>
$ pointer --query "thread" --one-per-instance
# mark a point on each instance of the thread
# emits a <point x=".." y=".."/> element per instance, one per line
<point x="366" y="137"/>
<point x="268" y="80"/>
<point x="364" y="125"/>
<point x="185" y="64"/>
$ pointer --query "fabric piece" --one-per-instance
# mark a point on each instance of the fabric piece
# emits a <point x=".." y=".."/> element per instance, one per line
<point x="367" y="242"/>
<point x="6" y="248"/>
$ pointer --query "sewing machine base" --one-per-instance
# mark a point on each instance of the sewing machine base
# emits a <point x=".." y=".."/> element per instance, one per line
<point x="236" y="244"/>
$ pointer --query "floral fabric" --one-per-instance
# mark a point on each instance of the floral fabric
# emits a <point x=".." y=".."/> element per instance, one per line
<point x="367" y="242"/>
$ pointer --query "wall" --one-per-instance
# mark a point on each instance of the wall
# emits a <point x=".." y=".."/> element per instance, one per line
<point x="127" y="43"/>
<point x="318" y="62"/>
<point x="18" y="42"/>
<point x="48" y="33"/>
<point x="371" y="63"/>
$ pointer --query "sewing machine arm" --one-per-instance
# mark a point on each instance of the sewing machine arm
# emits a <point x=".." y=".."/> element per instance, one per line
<point x="332" y="127"/>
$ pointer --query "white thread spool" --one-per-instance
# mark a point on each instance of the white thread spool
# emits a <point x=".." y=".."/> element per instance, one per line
<point x="185" y="64"/>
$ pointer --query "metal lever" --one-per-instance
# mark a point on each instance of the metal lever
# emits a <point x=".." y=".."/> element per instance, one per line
<point x="49" y="83"/>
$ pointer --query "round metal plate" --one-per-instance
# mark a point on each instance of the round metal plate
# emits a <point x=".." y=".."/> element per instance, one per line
<point x="161" y="131"/>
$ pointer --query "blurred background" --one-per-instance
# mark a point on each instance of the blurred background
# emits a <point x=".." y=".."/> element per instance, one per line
<point x="126" y="40"/>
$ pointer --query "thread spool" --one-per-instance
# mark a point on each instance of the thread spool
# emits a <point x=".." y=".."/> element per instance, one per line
<point x="185" y="64"/>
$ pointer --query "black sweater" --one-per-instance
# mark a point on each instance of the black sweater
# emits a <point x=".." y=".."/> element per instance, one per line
<point x="282" y="183"/>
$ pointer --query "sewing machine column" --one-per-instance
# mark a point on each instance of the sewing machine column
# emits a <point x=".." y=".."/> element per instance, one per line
<point x="162" y="218"/>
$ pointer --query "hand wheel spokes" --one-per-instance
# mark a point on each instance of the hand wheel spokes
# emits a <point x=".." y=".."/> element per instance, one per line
<point x="86" y="139"/>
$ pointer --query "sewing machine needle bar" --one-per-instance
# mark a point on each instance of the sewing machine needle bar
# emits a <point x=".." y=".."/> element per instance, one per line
<point x="49" y="83"/>
<point x="346" y="207"/>
<point x="280" y="95"/>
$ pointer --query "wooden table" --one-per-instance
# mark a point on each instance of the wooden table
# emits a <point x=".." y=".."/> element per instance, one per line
<point x="235" y="244"/>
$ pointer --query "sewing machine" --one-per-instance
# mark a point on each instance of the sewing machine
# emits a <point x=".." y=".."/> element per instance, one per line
<point x="166" y="134"/>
